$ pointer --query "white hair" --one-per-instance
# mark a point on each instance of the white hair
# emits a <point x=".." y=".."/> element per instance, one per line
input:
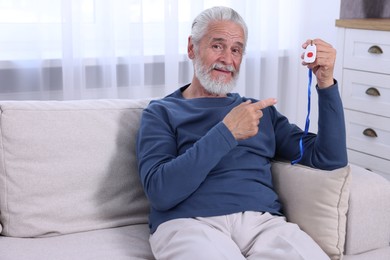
<point x="218" y="13"/>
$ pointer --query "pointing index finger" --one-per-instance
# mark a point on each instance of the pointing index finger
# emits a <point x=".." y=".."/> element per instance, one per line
<point x="264" y="103"/>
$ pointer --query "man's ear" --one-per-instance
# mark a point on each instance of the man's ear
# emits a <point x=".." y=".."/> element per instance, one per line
<point x="190" y="48"/>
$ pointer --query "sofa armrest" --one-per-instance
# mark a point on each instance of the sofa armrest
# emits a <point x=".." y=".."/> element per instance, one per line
<point x="368" y="224"/>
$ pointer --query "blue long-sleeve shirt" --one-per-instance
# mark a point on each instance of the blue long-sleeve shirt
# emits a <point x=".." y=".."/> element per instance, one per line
<point x="191" y="165"/>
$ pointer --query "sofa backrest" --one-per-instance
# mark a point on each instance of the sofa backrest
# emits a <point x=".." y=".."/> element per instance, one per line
<point x="69" y="166"/>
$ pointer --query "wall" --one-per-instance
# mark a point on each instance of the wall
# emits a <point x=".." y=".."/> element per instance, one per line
<point x="350" y="9"/>
<point x="319" y="23"/>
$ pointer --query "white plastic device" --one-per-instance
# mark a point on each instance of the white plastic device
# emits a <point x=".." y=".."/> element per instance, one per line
<point x="310" y="53"/>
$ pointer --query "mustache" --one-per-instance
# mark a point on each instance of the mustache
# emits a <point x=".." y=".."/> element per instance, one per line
<point x="220" y="66"/>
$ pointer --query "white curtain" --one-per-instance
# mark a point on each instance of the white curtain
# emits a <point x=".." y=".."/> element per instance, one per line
<point x="88" y="49"/>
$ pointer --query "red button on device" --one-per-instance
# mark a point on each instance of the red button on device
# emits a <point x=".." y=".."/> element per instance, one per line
<point x="310" y="54"/>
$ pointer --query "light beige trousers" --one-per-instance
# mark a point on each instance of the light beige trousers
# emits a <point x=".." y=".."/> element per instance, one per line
<point x="246" y="235"/>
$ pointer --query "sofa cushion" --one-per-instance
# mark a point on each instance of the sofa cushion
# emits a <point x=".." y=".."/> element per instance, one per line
<point x="369" y="225"/>
<point x="122" y="243"/>
<point x="317" y="201"/>
<point x="69" y="166"/>
<point x="377" y="254"/>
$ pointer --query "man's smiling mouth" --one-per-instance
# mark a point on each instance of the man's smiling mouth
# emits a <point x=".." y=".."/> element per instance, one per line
<point x="229" y="69"/>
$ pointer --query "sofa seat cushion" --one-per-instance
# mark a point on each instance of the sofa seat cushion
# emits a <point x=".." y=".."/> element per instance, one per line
<point x="377" y="254"/>
<point x="128" y="242"/>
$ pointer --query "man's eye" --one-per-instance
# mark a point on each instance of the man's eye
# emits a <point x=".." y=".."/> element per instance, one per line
<point x="217" y="47"/>
<point x="237" y="51"/>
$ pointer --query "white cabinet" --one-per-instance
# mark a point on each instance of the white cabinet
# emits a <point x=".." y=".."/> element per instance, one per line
<point x="364" y="58"/>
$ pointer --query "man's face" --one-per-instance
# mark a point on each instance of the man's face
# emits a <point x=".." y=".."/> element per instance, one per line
<point x="218" y="57"/>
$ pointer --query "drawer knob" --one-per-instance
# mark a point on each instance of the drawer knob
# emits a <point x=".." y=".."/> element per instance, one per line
<point x="373" y="92"/>
<point x="375" y="49"/>
<point x="370" y="132"/>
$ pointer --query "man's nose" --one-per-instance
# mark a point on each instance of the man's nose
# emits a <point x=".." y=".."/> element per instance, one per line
<point x="227" y="56"/>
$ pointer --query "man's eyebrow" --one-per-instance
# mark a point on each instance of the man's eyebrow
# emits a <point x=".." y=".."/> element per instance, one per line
<point x="218" y="39"/>
<point x="224" y="40"/>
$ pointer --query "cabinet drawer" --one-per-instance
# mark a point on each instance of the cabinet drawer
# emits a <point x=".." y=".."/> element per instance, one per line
<point x="367" y="92"/>
<point x="372" y="163"/>
<point x="357" y="54"/>
<point x="367" y="133"/>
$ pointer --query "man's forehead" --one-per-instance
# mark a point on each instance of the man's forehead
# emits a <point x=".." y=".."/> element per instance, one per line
<point x="225" y="31"/>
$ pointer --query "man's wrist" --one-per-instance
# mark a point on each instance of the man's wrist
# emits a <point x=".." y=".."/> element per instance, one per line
<point x="326" y="84"/>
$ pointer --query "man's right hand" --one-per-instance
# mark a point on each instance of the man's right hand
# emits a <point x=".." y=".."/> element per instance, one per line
<point x="243" y="121"/>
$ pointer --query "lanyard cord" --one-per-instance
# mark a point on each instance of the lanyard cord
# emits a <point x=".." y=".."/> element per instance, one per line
<point x="307" y="124"/>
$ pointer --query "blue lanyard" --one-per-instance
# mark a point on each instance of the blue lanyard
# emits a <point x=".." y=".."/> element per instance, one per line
<point x="307" y="124"/>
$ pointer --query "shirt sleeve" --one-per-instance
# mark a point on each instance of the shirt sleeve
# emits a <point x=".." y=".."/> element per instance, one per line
<point x="324" y="150"/>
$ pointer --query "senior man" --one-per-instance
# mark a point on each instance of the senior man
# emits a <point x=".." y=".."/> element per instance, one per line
<point x="204" y="154"/>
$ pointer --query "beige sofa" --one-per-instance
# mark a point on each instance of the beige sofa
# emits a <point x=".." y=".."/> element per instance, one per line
<point x="69" y="188"/>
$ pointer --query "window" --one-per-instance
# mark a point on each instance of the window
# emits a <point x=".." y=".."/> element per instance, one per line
<point x="42" y="28"/>
<point x="67" y="49"/>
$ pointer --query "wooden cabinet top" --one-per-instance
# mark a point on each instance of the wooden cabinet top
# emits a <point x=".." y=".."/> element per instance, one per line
<point x="381" y="24"/>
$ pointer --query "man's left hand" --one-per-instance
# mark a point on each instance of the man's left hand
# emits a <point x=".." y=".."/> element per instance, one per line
<point x="323" y="66"/>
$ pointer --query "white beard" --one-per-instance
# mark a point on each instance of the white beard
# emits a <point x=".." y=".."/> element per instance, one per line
<point x="217" y="86"/>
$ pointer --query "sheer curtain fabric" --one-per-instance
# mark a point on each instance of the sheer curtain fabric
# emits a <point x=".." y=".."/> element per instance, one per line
<point x="88" y="49"/>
